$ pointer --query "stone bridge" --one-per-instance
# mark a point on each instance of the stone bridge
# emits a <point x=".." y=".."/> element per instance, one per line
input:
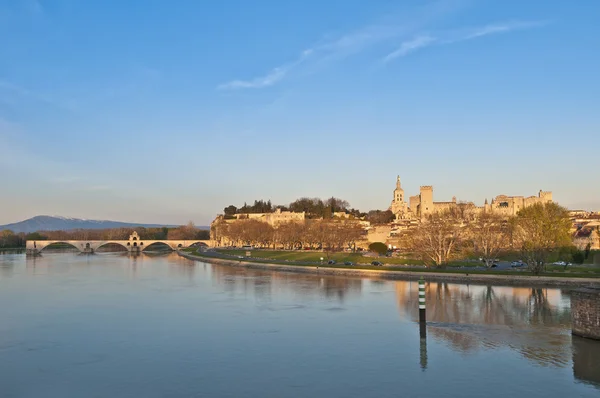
<point x="133" y="244"/>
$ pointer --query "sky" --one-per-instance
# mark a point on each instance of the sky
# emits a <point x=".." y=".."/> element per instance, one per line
<point x="164" y="112"/>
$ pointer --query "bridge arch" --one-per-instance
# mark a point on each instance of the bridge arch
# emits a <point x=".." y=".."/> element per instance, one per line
<point x="154" y="243"/>
<point x="111" y="242"/>
<point x="43" y="246"/>
<point x="197" y="243"/>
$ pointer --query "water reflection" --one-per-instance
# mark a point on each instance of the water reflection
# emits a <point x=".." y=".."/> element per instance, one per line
<point x="218" y="321"/>
<point x="263" y="283"/>
<point x="586" y="361"/>
<point x="472" y="318"/>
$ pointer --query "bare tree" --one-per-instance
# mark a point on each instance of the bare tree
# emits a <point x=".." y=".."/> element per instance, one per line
<point x="438" y="237"/>
<point x="490" y="235"/>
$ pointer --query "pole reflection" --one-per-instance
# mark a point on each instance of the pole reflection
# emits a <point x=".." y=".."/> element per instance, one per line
<point x="470" y="318"/>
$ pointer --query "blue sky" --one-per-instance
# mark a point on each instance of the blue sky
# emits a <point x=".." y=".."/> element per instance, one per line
<point x="157" y="111"/>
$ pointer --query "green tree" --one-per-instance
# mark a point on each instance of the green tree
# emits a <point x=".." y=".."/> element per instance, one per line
<point x="540" y="229"/>
<point x="35" y="236"/>
<point x="230" y="210"/>
<point x="578" y="257"/>
<point x="379" y="248"/>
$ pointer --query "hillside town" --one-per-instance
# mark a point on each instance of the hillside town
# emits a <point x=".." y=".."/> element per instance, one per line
<point x="404" y="216"/>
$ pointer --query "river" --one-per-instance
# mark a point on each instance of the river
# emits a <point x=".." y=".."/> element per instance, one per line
<point x="110" y="325"/>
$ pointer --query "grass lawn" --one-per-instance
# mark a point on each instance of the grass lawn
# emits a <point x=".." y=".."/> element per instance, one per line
<point x="315" y="256"/>
<point x="301" y="258"/>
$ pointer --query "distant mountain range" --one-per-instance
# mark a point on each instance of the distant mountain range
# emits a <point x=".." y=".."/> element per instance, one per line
<point x="56" y="223"/>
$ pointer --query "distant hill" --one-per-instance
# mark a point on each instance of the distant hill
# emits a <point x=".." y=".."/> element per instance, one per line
<point x="55" y="223"/>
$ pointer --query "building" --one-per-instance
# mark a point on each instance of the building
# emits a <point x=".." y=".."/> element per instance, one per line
<point x="422" y="205"/>
<point x="510" y="205"/>
<point x="274" y="218"/>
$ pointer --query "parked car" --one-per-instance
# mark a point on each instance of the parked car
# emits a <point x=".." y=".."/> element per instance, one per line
<point x="348" y="263"/>
<point x="517" y="264"/>
<point x="377" y="263"/>
<point x="331" y="262"/>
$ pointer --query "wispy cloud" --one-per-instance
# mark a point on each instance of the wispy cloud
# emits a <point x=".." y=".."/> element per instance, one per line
<point x="410" y="46"/>
<point x="274" y="76"/>
<point x="263" y="81"/>
<point x="504" y="27"/>
<point x="406" y="27"/>
<point x="455" y="36"/>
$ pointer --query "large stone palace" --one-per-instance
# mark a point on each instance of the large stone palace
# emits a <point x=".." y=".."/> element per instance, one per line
<point x="422" y="205"/>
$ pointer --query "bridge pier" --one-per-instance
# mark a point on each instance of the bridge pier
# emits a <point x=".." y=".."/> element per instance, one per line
<point x="32" y="252"/>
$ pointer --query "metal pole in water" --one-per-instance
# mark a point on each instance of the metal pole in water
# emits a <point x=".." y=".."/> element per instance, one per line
<point x="422" y="309"/>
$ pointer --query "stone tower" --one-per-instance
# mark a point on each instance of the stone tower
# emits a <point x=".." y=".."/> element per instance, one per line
<point x="398" y="192"/>
<point x="398" y="206"/>
<point x="426" y="205"/>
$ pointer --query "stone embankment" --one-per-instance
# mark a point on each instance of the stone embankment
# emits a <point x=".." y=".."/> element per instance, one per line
<point x="585" y="312"/>
<point x="495" y="279"/>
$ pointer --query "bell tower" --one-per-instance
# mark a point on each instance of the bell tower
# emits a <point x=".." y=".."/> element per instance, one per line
<point x="398" y="206"/>
<point x="398" y="192"/>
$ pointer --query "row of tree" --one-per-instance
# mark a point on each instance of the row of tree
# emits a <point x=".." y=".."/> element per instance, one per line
<point x="537" y="232"/>
<point x="314" y="208"/>
<point x="312" y="234"/>
<point x="8" y="239"/>
<point x="184" y="232"/>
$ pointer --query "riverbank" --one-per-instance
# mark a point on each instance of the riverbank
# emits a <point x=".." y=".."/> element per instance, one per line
<point x="445" y="276"/>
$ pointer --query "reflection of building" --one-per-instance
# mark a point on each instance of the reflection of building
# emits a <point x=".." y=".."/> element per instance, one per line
<point x="470" y="317"/>
<point x="263" y="282"/>
<point x="421" y="205"/>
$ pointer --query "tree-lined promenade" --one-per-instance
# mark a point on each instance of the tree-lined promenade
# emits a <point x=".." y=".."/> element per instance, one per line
<point x="539" y="233"/>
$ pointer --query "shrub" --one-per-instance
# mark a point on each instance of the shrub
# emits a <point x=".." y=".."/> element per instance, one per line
<point x="378" y="247"/>
<point x="578" y="257"/>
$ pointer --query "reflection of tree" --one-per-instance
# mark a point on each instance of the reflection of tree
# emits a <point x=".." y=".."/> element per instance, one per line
<point x="263" y="282"/>
<point x="470" y="317"/>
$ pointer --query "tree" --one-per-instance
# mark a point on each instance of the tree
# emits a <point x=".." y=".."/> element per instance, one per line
<point x="490" y="235"/>
<point x="9" y="239"/>
<point x="578" y="257"/>
<point x="437" y="239"/>
<point x="380" y="217"/>
<point x="540" y="229"/>
<point x="35" y="236"/>
<point x="378" y="247"/>
<point x="185" y="232"/>
<point x="230" y="210"/>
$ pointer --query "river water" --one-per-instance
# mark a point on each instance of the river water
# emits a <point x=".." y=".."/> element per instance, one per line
<point x="110" y="325"/>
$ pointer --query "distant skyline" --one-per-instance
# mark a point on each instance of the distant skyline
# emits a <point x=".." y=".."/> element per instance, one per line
<point x="140" y="111"/>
